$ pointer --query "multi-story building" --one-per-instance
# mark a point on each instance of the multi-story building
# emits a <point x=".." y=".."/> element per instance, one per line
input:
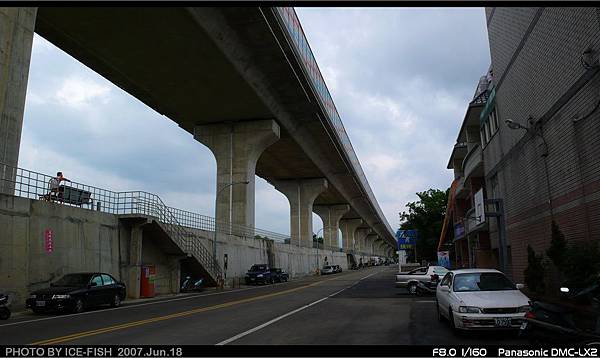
<point x="470" y="235"/>
<point x="540" y="130"/>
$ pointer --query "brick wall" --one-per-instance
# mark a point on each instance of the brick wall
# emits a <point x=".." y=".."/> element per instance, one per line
<point x="536" y="62"/>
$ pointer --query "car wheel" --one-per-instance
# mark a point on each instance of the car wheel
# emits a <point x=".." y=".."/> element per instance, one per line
<point x="439" y="313"/>
<point x="116" y="301"/>
<point x="412" y="288"/>
<point x="4" y="314"/>
<point x="79" y="306"/>
<point x="452" y="324"/>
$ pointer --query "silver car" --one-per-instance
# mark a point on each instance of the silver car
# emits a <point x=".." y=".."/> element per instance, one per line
<point x="327" y="270"/>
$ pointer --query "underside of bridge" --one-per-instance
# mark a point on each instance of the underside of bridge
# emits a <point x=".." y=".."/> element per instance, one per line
<point x="228" y="67"/>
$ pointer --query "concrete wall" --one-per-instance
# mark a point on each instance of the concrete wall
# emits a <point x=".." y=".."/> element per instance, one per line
<point x="83" y="240"/>
<point x="86" y="240"/>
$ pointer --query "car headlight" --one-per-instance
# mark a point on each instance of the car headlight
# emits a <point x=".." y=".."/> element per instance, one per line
<point x="524" y="309"/>
<point x="60" y="297"/>
<point x="469" y="309"/>
<point x="32" y="296"/>
<point x="259" y="275"/>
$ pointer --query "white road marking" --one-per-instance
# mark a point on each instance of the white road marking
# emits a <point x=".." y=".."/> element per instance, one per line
<point x="133" y="305"/>
<point x="126" y="306"/>
<point x="424" y="301"/>
<point x="257" y="328"/>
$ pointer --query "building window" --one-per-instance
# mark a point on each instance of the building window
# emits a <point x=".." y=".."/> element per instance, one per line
<point x="494" y="186"/>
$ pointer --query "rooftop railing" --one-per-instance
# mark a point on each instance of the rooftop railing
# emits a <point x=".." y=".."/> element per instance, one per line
<point x="33" y="185"/>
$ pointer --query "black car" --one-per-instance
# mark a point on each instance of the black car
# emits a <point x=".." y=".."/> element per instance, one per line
<point x="75" y="292"/>
<point x="259" y="273"/>
<point x="279" y="275"/>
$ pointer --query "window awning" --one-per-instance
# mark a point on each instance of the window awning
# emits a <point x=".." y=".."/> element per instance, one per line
<point x="489" y="107"/>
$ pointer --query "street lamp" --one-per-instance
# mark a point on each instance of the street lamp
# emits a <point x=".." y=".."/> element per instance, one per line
<point x="317" y="237"/>
<point x="216" y="224"/>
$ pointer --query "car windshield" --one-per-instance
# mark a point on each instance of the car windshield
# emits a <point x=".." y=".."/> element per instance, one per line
<point x="75" y="280"/>
<point x="440" y="271"/>
<point x="482" y="281"/>
<point x="258" y="268"/>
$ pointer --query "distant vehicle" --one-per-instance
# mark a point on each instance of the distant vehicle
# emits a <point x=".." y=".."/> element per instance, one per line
<point x="410" y="279"/>
<point x="259" y="274"/>
<point x="279" y="275"/>
<point x="337" y="268"/>
<point x="192" y="285"/>
<point x="428" y="287"/>
<point x="480" y="299"/>
<point x="4" y="310"/>
<point x="77" y="291"/>
<point x="327" y="270"/>
<point x="573" y="319"/>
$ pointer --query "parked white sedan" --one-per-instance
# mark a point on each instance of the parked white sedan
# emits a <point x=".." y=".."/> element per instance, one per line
<point x="480" y="299"/>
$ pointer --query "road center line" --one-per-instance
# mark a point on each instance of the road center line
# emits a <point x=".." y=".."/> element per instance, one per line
<point x="257" y="328"/>
<point x="94" y="332"/>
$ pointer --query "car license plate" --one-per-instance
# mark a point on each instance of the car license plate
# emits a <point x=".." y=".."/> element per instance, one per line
<point x="502" y="322"/>
<point x="40" y="303"/>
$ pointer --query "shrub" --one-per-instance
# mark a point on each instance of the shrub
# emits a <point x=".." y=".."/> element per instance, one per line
<point x="534" y="273"/>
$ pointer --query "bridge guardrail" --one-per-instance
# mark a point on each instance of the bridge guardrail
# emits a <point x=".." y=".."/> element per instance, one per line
<point x="288" y="17"/>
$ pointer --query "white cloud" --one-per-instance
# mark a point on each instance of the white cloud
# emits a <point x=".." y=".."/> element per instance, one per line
<point x="78" y="92"/>
<point x="401" y="79"/>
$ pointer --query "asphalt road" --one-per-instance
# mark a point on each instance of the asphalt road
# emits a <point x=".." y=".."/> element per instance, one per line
<point x="355" y="307"/>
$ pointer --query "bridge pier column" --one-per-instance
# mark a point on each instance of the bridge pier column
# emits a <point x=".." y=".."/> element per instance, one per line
<point x="16" y="40"/>
<point x="349" y="227"/>
<point x="370" y="240"/>
<point x="237" y="147"/>
<point x="301" y="194"/>
<point x="331" y="215"/>
<point x="359" y="238"/>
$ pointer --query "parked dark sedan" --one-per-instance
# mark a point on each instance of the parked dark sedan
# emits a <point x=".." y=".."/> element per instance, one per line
<point x="280" y="275"/>
<point x="77" y="291"/>
<point x="260" y="274"/>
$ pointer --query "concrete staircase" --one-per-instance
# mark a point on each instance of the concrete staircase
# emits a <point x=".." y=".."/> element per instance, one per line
<point x="151" y="206"/>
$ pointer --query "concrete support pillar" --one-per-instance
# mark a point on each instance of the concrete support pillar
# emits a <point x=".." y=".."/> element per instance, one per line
<point x="16" y="39"/>
<point x="331" y="215"/>
<point x="135" y="261"/>
<point x="237" y="147"/>
<point x="349" y="227"/>
<point x="359" y="238"/>
<point x="301" y="194"/>
<point x="370" y="239"/>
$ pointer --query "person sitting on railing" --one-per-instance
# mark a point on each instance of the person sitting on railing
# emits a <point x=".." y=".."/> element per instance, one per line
<point x="56" y="190"/>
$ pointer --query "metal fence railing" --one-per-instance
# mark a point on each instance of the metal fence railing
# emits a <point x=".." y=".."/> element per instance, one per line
<point x="187" y="229"/>
<point x="288" y="17"/>
<point x="184" y="227"/>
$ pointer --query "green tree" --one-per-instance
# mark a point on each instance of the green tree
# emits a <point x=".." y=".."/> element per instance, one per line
<point x="534" y="273"/>
<point x="426" y="215"/>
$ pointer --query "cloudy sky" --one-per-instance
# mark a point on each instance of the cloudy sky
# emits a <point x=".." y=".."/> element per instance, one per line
<point x="401" y="79"/>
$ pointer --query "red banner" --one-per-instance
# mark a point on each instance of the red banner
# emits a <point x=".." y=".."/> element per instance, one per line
<point x="48" y="240"/>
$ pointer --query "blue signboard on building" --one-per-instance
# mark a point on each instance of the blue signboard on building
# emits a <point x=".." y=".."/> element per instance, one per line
<point x="406" y="239"/>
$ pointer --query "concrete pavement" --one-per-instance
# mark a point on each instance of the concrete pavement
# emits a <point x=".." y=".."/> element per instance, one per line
<point x="354" y="307"/>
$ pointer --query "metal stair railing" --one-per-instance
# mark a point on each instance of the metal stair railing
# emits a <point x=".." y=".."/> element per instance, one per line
<point x="143" y="203"/>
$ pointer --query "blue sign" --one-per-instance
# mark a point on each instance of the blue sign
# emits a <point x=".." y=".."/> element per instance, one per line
<point x="406" y="239"/>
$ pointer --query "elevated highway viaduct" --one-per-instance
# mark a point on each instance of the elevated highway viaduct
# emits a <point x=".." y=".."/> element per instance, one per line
<point x="242" y="81"/>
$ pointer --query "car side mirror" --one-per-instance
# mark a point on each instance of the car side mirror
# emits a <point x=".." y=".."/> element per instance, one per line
<point x="520" y="286"/>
